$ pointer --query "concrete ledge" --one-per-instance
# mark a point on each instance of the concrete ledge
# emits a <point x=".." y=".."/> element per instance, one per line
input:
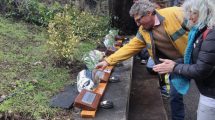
<point x="143" y="103"/>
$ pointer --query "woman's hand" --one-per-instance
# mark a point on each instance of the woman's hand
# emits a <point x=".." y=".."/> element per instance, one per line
<point x="165" y="67"/>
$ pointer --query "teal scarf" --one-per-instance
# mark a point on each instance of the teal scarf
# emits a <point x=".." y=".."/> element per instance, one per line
<point x="181" y="83"/>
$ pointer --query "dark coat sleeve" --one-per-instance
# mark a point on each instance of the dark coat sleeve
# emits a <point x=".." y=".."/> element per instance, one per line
<point x="204" y="65"/>
<point x="179" y="60"/>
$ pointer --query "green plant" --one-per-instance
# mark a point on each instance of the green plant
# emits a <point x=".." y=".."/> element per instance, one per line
<point x="26" y="63"/>
<point x="88" y="26"/>
<point x="30" y="10"/>
<point x="70" y="27"/>
<point x="26" y="66"/>
<point x="62" y="39"/>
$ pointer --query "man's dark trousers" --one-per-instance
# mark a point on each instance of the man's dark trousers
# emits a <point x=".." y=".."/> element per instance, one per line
<point x="176" y="103"/>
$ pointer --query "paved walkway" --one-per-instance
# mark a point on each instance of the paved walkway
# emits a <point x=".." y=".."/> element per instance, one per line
<point x="145" y="99"/>
<point x="142" y="103"/>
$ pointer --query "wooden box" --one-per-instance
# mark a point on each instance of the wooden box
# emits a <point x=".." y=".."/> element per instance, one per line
<point x="87" y="100"/>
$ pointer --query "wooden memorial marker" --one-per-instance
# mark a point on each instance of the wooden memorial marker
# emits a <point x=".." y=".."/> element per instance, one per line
<point x="90" y="102"/>
<point x="87" y="100"/>
<point x="107" y="72"/>
<point x="99" y="90"/>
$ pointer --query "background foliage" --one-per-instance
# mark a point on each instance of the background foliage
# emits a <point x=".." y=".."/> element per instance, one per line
<point x="62" y="39"/>
<point x="30" y="10"/>
<point x="26" y="68"/>
<point x="28" y="64"/>
<point x="70" y="28"/>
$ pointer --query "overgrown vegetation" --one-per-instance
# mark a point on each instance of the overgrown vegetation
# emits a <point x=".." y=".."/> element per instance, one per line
<point x="70" y="27"/>
<point x="32" y="11"/>
<point x="62" y="39"/>
<point x="30" y="74"/>
<point x="89" y="27"/>
<point x="26" y="68"/>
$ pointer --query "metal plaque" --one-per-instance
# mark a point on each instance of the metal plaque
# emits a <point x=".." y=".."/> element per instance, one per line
<point x="88" y="97"/>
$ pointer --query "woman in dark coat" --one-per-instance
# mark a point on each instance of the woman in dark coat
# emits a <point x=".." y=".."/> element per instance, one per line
<point x="199" y="59"/>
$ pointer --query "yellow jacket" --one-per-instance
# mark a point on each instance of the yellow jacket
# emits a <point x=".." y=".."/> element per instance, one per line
<point x="173" y="20"/>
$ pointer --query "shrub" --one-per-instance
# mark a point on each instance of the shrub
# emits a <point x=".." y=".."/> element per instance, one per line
<point x="88" y="26"/>
<point x="62" y="39"/>
<point x="71" y="27"/>
<point x="30" y="10"/>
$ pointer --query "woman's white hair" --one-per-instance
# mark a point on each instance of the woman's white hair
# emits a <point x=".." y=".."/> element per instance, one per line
<point x="141" y="7"/>
<point x="205" y="10"/>
<point x="211" y="14"/>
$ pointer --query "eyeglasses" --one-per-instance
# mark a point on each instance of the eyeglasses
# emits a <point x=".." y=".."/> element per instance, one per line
<point x="138" y="19"/>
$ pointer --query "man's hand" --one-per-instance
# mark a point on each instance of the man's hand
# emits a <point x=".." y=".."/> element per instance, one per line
<point x="165" y="67"/>
<point x="102" y="65"/>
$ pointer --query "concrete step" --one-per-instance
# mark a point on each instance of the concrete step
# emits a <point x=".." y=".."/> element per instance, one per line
<point x="145" y="100"/>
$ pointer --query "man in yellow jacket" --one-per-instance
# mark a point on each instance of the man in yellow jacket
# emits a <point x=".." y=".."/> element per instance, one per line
<point x="164" y="34"/>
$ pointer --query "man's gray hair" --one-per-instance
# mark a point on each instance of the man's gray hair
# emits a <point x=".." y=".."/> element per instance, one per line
<point x="141" y="7"/>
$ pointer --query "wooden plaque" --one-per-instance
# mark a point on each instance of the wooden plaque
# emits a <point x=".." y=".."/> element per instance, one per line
<point x="87" y="100"/>
<point x="107" y="72"/>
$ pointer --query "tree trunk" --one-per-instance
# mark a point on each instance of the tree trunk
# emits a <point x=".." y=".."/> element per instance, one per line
<point x="120" y="18"/>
